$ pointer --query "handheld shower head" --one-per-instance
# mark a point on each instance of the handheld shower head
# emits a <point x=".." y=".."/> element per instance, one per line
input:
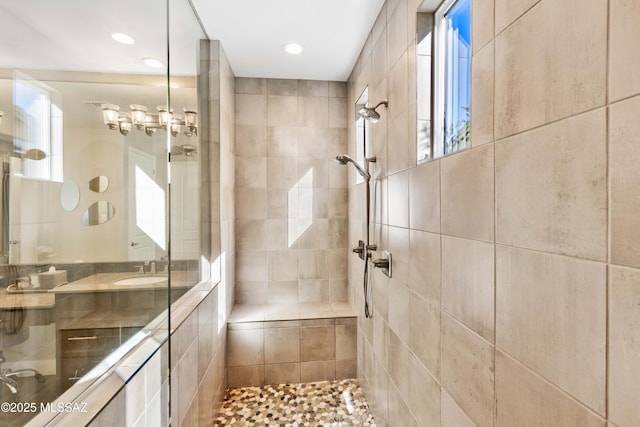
<point x="370" y="113"/>
<point x="343" y="159"/>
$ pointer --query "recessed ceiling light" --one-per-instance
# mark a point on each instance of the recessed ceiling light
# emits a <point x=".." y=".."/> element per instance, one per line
<point x="152" y="62"/>
<point x="292" y="48"/>
<point x="122" y="38"/>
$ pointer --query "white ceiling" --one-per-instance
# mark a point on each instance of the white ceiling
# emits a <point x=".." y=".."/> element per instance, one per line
<point x="252" y="32"/>
<point x="75" y="35"/>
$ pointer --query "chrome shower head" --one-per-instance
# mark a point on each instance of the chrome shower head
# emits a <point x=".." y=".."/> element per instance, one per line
<point x="370" y="113"/>
<point x="343" y="159"/>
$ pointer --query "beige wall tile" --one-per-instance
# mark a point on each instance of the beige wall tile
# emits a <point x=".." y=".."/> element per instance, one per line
<point x="399" y="242"/>
<point x="507" y="11"/>
<point x="399" y="199"/>
<point x="397" y="31"/>
<point x="379" y="60"/>
<point x="424" y="333"/>
<point x="312" y="264"/>
<point x="245" y="347"/>
<point x="424" y="265"/>
<point x="346" y="341"/>
<point x="251" y="203"/>
<point x="467" y="371"/>
<point x="468" y="283"/>
<point x="282" y="110"/>
<point x="250" y="141"/>
<point x="317" y="343"/>
<point x="623" y="55"/>
<point x="338" y="113"/>
<point x="467" y="194"/>
<point x="557" y="48"/>
<point x="551" y="188"/>
<point x="282" y="292"/>
<point x="282" y="141"/>
<point x="313" y="111"/>
<point x="424" y="197"/>
<point x="451" y="414"/>
<point x="282" y="173"/>
<point x="249" y="85"/>
<point x="346" y="369"/>
<point x="281" y="345"/>
<point x="313" y="290"/>
<point x="398" y="364"/>
<point x="399" y="297"/>
<point x="313" y="88"/>
<point x="524" y="399"/>
<point x="251" y="109"/>
<point x="399" y="413"/>
<point x="482" y="96"/>
<point x="252" y="266"/>
<point x="283" y="265"/>
<point x="624" y="346"/>
<point x="282" y="87"/>
<point x="424" y="394"/>
<point x="625" y="201"/>
<point x="540" y="322"/>
<point x="282" y="373"/>
<point x="246" y="376"/>
<point x="481" y="24"/>
<point x="324" y="370"/>
<point x="250" y="234"/>
<point x="250" y="172"/>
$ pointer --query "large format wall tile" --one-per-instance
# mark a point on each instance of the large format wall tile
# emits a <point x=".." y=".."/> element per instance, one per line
<point x="550" y="64"/>
<point x="424" y="197"/>
<point x="551" y="315"/>
<point x="624" y="346"/>
<point x="624" y="152"/>
<point x="451" y="414"/>
<point x="526" y="400"/>
<point x="467" y="371"/>
<point x="468" y="283"/>
<point x="467" y="194"/>
<point x="551" y="188"/>
<point x="507" y="11"/>
<point x="482" y="96"/>
<point x="624" y="55"/>
<point x="424" y="265"/>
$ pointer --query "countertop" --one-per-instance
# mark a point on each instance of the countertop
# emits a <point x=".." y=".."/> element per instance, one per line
<point x="100" y="282"/>
<point x="104" y="282"/>
<point x="40" y="300"/>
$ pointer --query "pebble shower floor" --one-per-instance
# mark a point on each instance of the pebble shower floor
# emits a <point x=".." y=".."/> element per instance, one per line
<point x="325" y="403"/>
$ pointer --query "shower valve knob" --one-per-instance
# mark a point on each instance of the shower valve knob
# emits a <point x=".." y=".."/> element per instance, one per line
<point x="359" y="249"/>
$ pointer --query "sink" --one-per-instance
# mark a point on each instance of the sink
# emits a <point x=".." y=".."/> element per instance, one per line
<point x="140" y="280"/>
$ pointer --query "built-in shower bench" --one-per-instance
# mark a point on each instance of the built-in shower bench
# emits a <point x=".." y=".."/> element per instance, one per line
<point x="291" y="343"/>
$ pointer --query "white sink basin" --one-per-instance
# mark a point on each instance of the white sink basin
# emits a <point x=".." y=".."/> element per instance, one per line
<point x="140" y="280"/>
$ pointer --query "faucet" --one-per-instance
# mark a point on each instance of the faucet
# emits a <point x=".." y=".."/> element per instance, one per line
<point x="152" y="268"/>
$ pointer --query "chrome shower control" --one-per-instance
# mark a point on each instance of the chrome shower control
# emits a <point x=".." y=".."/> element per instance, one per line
<point x="384" y="263"/>
<point x="359" y="249"/>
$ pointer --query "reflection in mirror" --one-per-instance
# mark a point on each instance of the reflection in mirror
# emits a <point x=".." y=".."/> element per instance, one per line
<point x="98" y="213"/>
<point x="99" y="184"/>
<point x="69" y="195"/>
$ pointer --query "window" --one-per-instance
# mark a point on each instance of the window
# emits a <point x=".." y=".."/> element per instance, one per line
<point x="446" y="32"/>
<point x="38" y="130"/>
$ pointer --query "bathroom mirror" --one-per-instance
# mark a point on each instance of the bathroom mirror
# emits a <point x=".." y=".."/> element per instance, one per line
<point x="69" y="195"/>
<point x="98" y="213"/>
<point x="99" y="184"/>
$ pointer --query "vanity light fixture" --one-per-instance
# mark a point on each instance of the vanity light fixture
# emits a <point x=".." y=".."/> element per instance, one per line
<point x="149" y="123"/>
<point x="152" y="62"/>
<point x="292" y="48"/>
<point x="122" y="38"/>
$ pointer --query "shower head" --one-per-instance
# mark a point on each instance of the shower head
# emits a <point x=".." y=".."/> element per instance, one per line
<point x="343" y="159"/>
<point x="370" y="113"/>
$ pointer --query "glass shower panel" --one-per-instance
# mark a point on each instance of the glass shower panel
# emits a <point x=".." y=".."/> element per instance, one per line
<point x="185" y="33"/>
<point x="84" y="273"/>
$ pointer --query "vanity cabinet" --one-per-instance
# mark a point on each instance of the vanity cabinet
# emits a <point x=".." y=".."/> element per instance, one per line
<point x="82" y="349"/>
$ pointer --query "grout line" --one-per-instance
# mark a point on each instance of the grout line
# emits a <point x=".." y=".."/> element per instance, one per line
<point x="607" y="356"/>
